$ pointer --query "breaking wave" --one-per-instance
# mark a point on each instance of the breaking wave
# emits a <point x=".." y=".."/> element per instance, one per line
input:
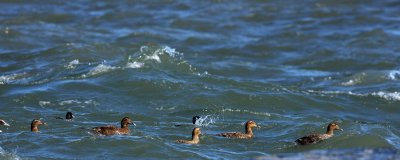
<point x="151" y="57"/>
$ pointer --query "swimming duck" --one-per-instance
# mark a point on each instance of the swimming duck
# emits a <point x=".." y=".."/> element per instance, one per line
<point x="315" y="138"/>
<point x="194" y="120"/>
<point x="195" y="137"/>
<point x="249" y="132"/>
<point x="34" y="125"/>
<point x="68" y="116"/>
<point x="111" y="130"/>
<point x="4" y="123"/>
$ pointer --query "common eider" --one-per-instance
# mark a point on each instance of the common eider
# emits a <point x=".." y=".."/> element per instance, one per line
<point x="195" y="137"/>
<point x="315" y="138"/>
<point x="34" y="125"/>
<point x="249" y="132"/>
<point x="111" y="130"/>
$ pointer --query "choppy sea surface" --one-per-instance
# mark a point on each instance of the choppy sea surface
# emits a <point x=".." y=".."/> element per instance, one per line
<point x="291" y="66"/>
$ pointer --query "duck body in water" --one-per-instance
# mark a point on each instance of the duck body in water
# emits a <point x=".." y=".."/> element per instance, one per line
<point x="195" y="137"/>
<point x="112" y="130"/>
<point x="315" y="138"/>
<point x="247" y="135"/>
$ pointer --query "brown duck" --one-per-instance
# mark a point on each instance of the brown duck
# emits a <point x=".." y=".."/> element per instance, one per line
<point x="34" y="125"/>
<point x="111" y="130"/>
<point x="195" y="137"/>
<point x="249" y="132"/>
<point x="315" y="138"/>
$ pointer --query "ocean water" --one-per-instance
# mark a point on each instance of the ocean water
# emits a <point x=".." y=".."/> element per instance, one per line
<point x="291" y="66"/>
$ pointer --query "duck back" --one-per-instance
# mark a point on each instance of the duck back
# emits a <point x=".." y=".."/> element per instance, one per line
<point x="310" y="139"/>
<point x="106" y="130"/>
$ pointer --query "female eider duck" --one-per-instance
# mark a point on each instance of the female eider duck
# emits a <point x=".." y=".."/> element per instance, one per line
<point x="195" y="137"/>
<point x="69" y="116"/>
<point x="249" y="132"/>
<point x="315" y="138"/>
<point x="3" y="123"/>
<point x="111" y="130"/>
<point x="34" y="125"/>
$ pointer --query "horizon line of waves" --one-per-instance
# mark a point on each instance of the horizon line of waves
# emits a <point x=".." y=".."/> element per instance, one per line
<point x="390" y="96"/>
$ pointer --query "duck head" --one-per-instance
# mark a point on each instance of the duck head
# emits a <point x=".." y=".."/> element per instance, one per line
<point x="69" y="115"/>
<point x="331" y="127"/>
<point x="196" y="132"/>
<point x="194" y="119"/>
<point x="126" y="121"/>
<point x="251" y="124"/>
<point x="34" y="125"/>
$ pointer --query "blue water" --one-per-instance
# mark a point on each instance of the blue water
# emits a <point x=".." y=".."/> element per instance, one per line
<point x="291" y="66"/>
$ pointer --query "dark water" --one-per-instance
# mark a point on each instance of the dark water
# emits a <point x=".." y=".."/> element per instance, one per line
<point x="292" y="66"/>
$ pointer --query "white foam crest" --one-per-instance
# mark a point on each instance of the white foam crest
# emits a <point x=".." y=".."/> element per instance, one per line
<point x="4" y="79"/>
<point x="162" y="108"/>
<point x="337" y="92"/>
<point x="394" y="75"/>
<point x="72" y="64"/>
<point x="156" y="54"/>
<point x="391" y="96"/>
<point x="44" y="103"/>
<point x="99" y="69"/>
<point x="91" y="102"/>
<point x="154" y="57"/>
<point x="72" y="101"/>
<point x="246" y="111"/>
<point x="350" y="82"/>
<point x="205" y="120"/>
<point x="171" y="52"/>
<point x="134" y="64"/>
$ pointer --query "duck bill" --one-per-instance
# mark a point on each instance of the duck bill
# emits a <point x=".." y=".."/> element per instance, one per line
<point x="133" y="123"/>
<point x="258" y="126"/>
<point x="6" y="124"/>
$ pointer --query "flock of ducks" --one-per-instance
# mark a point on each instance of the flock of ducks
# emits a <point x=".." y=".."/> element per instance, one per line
<point x="126" y="121"/>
